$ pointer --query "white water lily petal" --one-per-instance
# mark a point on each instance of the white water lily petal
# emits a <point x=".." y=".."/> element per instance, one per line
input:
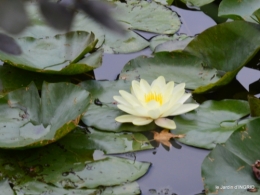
<point x="142" y="121"/>
<point x="184" y="98"/>
<point x="127" y="109"/>
<point x="148" y="103"/>
<point x="154" y="114"/>
<point x="121" y="100"/>
<point x="145" y="87"/>
<point x="165" y="123"/>
<point x="184" y="108"/>
<point x="129" y="98"/>
<point x="158" y="83"/>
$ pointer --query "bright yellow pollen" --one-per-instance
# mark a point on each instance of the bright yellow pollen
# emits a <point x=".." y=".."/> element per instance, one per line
<point x="154" y="96"/>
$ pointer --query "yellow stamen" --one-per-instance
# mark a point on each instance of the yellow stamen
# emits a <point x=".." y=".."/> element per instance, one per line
<point x="154" y="96"/>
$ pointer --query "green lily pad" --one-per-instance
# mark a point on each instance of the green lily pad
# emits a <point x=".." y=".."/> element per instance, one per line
<point x="108" y="142"/>
<point x="112" y="42"/>
<point x="5" y="188"/>
<point x="164" y="43"/>
<point x="147" y="16"/>
<point x="236" y="49"/>
<point x="230" y="164"/>
<point x="34" y="187"/>
<point x="197" y="3"/>
<point x="211" y="123"/>
<point x="12" y="78"/>
<point x="257" y="15"/>
<point x="68" y="165"/>
<point x="28" y="121"/>
<point x="62" y="54"/>
<point x="239" y="9"/>
<point x="102" y="111"/>
<point x="174" y="66"/>
<point x="254" y="104"/>
<point x="164" y="2"/>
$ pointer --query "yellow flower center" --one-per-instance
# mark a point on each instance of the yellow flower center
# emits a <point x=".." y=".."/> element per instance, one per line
<point x="154" y="96"/>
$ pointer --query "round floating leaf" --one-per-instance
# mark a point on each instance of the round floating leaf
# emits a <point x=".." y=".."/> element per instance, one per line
<point x="108" y="142"/>
<point x="164" y="2"/>
<point x="175" y="66"/>
<point x="62" y="54"/>
<point x="68" y="165"/>
<point x="147" y="16"/>
<point x="197" y="3"/>
<point x="239" y="42"/>
<point x="28" y="121"/>
<point x="102" y="111"/>
<point x="230" y="164"/>
<point x="34" y="187"/>
<point x="211" y="123"/>
<point x="239" y="10"/>
<point x="165" y="43"/>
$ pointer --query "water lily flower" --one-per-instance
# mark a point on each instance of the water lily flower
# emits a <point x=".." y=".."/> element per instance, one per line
<point x="155" y="102"/>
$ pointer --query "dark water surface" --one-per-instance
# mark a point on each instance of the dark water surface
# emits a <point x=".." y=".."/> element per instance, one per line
<point x="177" y="171"/>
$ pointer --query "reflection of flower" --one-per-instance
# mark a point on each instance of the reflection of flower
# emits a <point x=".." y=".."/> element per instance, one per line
<point x="153" y="103"/>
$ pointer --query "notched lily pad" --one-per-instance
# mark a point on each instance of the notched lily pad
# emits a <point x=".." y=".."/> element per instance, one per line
<point x="211" y="123"/>
<point x="102" y="111"/>
<point x="230" y="164"/>
<point x="28" y="121"/>
<point x="61" y="54"/>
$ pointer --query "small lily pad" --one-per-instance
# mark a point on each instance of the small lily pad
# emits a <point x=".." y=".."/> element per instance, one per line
<point x="211" y="123"/>
<point x="28" y="121"/>
<point x="197" y="3"/>
<point x="102" y="111"/>
<point x="62" y="54"/>
<point x="228" y="167"/>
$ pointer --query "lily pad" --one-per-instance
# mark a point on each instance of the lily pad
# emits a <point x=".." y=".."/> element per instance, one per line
<point x="68" y="165"/>
<point x="197" y="3"/>
<point x="28" y="121"/>
<point x="239" y="10"/>
<point x="254" y="104"/>
<point x="211" y="123"/>
<point x="5" y="188"/>
<point x="174" y="66"/>
<point x="34" y="187"/>
<point x="102" y="111"/>
<point x="166" y="43"/>
<point x="108" y="142"/>
<point x="62" y="54"/>
<point x="147" y="16"/>
<point x="230" y="164"/>
<point x="164" y="2"/>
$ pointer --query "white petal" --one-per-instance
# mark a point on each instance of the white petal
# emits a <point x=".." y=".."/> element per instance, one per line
<point x="139" y="94"/>
<point x="167" y="91"/>
<point x="141" y="111"/>
<point x="152" y="105"/>
<point x="184" y="98"/>
<point x="165" y="123"/>
<point x="127" y="109"/>
<point x="142" y="121"/>
<point x="154" y="114"/>
<point x="184" y="108"/>
<point x="171" y="110"/>
<point x="145" y="87"/>
<point x="121" y="100"/>
<point x="159" y="82"/>
<point x="125" y="118"/>
<point x="129" y="98"/>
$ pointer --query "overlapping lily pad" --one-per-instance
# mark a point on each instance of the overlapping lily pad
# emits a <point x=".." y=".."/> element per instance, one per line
<point x="174" y="66"/>
<point x="102" y="111"/>
<point x="197" y="3"/>
<point x="230" y="165"/>
<point x="166" y="43"/>
<point x="239" y="10"/>
<point x="62" y="54"/>
<point x="147" y="16"/>
<point x="28" y="121"/>
<point x="212" y="123"/>
<point x="69" y="163"/>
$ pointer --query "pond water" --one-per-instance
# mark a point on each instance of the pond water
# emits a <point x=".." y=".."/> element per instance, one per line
<point x="177" y="171"/>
